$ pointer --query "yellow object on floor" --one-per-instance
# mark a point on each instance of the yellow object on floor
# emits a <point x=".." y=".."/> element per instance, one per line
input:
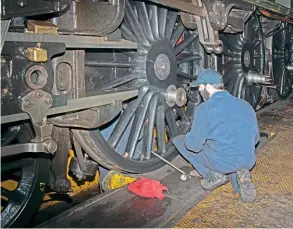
<point x="114" y="180"/>
<point x="273" y="176"/>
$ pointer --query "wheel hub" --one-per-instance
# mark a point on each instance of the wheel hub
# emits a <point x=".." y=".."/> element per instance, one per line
<point x="161" y="65"/>
<point x="246" y="59"/>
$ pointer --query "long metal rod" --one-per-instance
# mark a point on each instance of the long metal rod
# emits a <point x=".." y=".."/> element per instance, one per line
<point x="117" y="64"/>
<point x="20" y="148"/>
<point x="71" y="41"/>
<point x="78" y="104"/>
<point x="169" y="163"/>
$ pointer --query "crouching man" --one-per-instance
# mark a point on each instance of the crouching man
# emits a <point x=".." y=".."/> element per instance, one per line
<point x="221" y="142"/>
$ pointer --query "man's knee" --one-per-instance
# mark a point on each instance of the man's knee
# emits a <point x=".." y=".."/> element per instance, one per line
<point x="178" y="142"/>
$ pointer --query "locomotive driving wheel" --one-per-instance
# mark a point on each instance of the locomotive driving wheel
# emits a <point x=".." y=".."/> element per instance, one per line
<point x="283" y="61"/>
<point x="169" y="56"/>
<point x="243" y="53"/>
<point x="23" y="180"/>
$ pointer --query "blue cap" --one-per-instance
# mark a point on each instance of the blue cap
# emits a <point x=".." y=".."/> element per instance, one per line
<point x="207" y="76"/>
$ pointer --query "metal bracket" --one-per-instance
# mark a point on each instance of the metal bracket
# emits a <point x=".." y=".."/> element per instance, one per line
<point x="207" y="29"/>
<point x="37" y="104"/>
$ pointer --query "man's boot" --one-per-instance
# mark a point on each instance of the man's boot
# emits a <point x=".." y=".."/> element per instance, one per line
<point x="247" y="188"/>
<point x="213" y="180"/>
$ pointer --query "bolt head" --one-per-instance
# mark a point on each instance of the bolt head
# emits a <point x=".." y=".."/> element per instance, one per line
<point x="50" y="146"/>
<point x="49" y="100"/>
<point x="38" y="94"/>
<point x="28" y="103"/>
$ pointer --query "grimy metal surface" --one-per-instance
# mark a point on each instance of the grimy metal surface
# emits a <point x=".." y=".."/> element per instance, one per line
<point x="72" y="41"/>
<point x="199" y="11"/>
<point x="78" y="104"/>
<point x="121" y="208"/>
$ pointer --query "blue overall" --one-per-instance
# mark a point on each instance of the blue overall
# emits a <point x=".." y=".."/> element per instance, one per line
<point x="222" y="137"/>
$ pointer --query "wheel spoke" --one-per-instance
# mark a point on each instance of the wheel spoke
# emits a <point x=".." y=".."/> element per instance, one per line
<point x="138" y="124"/>
<point x="144" y="20"/>
<point x="163" y="21"/>
<point x="177" y="33"/>
<point x="232" y="55"/>
<point x="228" y="43"/>
<point x="127" y="33"/>
<point x="160" y="129"/>
<point x="180" y="47"/>
<point x="182" y="114"/>
<point x="254" y="68"/>
<point x="119" y="81"/>
<point x="227" y="65"/>
<point x="230" y="78"/>
<point x="171" y="23"/>
<point x="135" y="26"/>
<point x="184" y="57"/>
<point x="257" y="56"/>
<point x="256" y="43"/>
<point x="171" y="123"/>
<point x="241" y="87"/>
<point x="153" y="16"/>
<point x="9" y="135"/>
<point x="283" y="35"/>
<point x="185" y="75"/>
<point x="283" y="82"/>
<point x="149" y="128"/>
<point x="125" y="119"/>
<point x="236" y="86"/>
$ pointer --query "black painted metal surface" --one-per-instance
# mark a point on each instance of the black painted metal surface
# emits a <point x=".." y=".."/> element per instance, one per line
<point x="122" y="209"/>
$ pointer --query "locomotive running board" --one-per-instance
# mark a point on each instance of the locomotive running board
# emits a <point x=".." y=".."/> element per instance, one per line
<point x="78" y="104"/>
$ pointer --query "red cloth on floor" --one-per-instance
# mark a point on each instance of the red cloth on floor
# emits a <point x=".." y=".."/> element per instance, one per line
<point x="148" y="188"/>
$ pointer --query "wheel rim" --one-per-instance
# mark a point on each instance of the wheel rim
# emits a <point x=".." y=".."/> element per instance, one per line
<point x="23" y="180"/>
<point x="282" y="58"/>
<point x="161" y="47"/>
<point x="242" y="53"/>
